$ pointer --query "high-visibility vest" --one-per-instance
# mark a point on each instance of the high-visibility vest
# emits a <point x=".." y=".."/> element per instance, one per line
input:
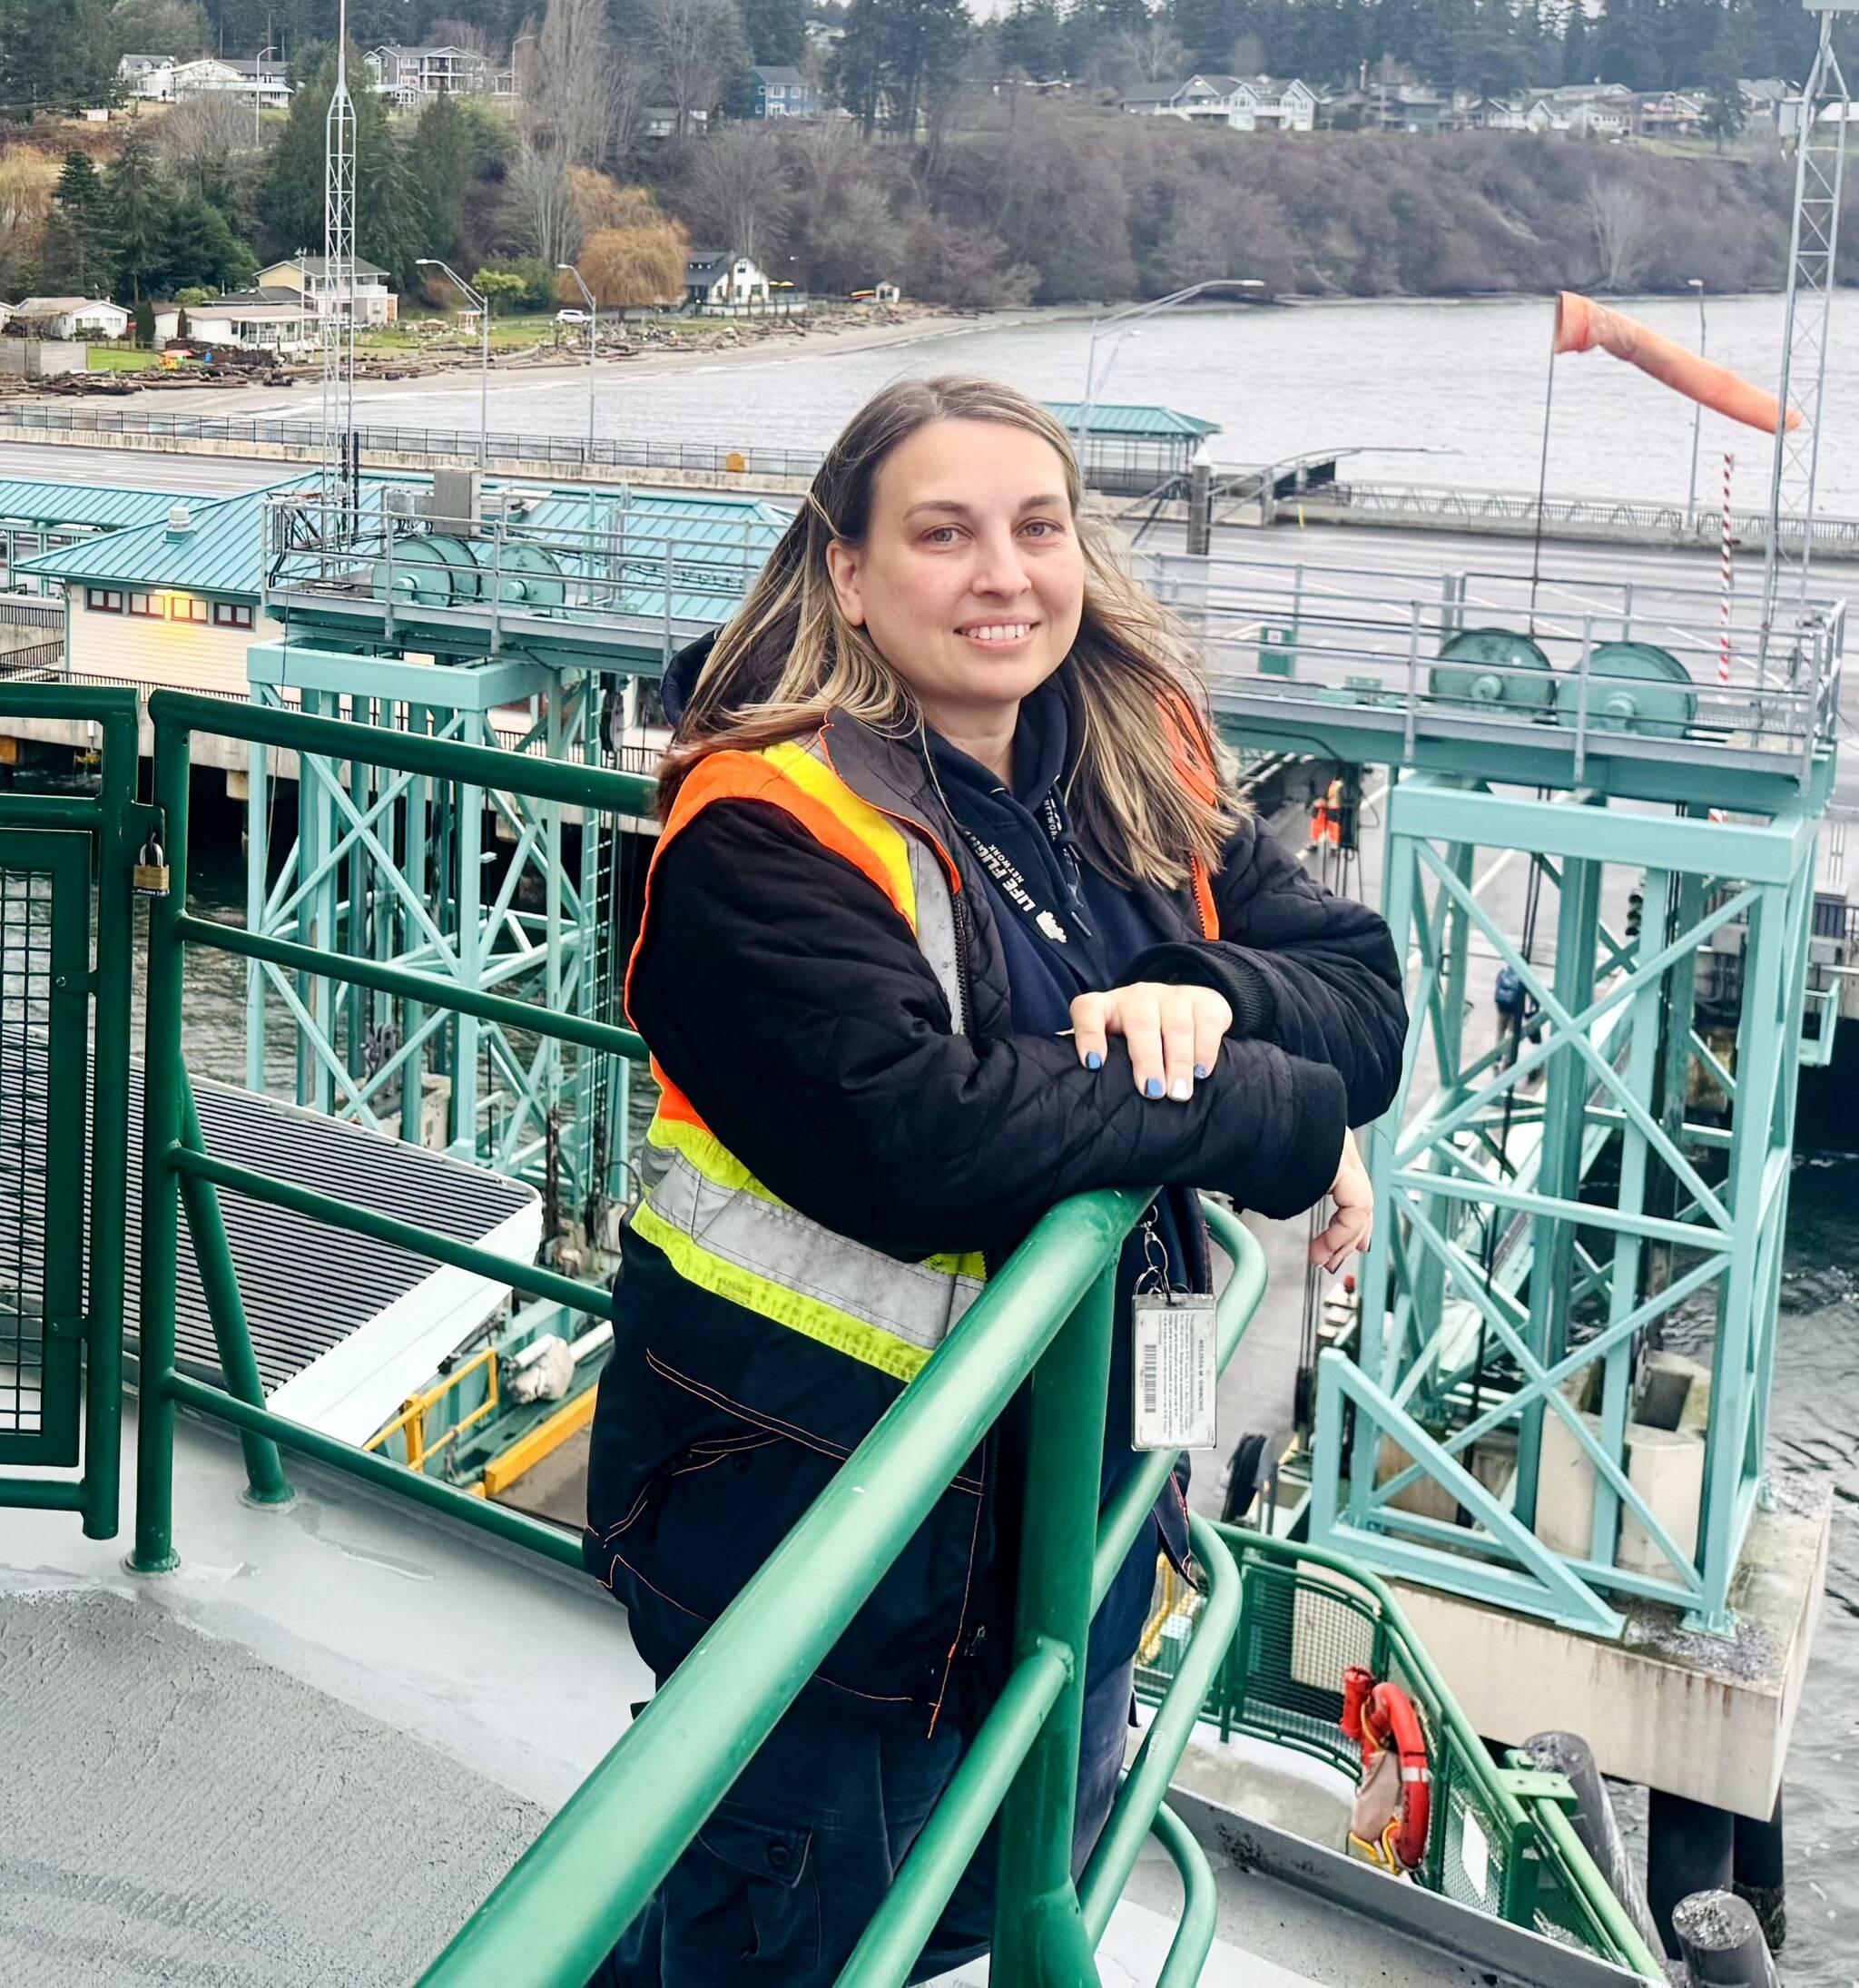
<point x="720" y="1227"/>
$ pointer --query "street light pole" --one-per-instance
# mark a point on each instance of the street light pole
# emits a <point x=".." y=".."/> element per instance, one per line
<point x="568" y="268"/>
<point x="482" y="304"/>
<point x="1128" y="315"/>
<point x="1696" y="283"/>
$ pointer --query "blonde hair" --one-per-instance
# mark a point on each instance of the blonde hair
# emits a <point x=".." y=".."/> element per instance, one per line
<point x="1145" y="786"/>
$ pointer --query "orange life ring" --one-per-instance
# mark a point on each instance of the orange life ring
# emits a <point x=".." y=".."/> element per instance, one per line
<point x="1378" y="1717"/>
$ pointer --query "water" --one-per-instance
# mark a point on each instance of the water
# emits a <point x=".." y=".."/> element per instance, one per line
<point x="1468" y="408"/>
<point x="1471" y="383"/>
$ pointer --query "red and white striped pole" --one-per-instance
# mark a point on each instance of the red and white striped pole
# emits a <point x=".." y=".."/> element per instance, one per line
<point x="1730" y="580"/>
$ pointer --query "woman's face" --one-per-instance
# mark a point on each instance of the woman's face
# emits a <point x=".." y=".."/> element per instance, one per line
<point x="971" y="579"/>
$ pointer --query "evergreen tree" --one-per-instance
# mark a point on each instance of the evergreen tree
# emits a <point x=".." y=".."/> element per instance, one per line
<point x="55" y="56"/>
<point x="1032" y="38"/>
<point x="200" y="251"/>
<point x="389" y="220"/>
<point x="777" y="31"/>
<point x="442" y="160"/>
<point x="74" y="257"/>
<point x="138" y="204"/>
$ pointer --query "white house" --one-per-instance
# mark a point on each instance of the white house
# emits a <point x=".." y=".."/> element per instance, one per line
<point x="416" y="75"/>
<point x="716" y="280"/>
<point x="308" y="277"/>
<point x="1238" y="102"/>
<point x="150" y="77"/>
<point x="73" y="317"/>
<point x="276" y="321"/>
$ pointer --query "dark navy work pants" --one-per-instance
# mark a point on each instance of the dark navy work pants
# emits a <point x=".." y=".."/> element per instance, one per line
<point x="782" y="1879"/>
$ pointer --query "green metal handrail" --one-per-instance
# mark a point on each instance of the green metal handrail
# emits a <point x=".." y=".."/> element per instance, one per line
<point x="110" y="818"/>
<point x="1045" y="1322"/>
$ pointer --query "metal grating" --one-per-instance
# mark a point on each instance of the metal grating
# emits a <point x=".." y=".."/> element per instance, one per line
<point x="26" y="1019"/>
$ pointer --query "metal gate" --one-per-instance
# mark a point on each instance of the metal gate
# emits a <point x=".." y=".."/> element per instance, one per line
<point x="66" y="942"/>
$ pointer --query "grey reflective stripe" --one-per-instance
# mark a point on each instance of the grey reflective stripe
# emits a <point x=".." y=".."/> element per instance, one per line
<point x="912" y="1301"/>
<point x="936" y="934"/>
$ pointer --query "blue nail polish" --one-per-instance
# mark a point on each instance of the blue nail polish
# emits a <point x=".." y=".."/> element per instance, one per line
<point x="1093" y="1061"/>
<point x="1200" y="1071"/>
<point x="1153" y="1088"/>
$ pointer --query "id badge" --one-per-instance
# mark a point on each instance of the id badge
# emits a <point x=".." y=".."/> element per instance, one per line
<point x="1174" y="1371"/>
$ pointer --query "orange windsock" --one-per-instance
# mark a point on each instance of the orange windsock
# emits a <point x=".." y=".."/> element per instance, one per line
<point x="1581" y="325"/>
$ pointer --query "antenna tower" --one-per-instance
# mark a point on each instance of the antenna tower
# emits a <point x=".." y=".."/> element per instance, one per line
<point x="340" y="465"/>
<point x="1820" y="158"/>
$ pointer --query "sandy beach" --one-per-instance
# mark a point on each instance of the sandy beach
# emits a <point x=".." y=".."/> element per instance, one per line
<point x="834" y="334"/>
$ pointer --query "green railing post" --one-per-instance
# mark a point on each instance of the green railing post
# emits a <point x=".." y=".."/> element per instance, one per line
<point x="116" y="852"/>
<point x="1039" y="1935"/>
<point x="266" y="1484"/>
<point x="161" y="1191"/>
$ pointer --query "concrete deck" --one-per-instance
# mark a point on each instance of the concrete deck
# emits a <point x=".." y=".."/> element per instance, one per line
<point x="302" y="1758"/>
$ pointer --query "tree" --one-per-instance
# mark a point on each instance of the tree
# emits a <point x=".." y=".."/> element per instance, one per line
<point x="539" y="208"/>
<point x="776" y="31"/>
<point x="700" y="49"/>
<point x="161" y="27"/>
<point x="896" y="55"/>
<point x="502" y="289"/>
<point x="202" y="133"/>
<point x="55" y="56"/>
<point x="75" y="256"/>
<point x="138" y="206"/>
<point x="198" y="250"/>
<point x="737" y="194"/>
<point x="442" y="160"/>
<point x="1619" y="217"/>
<point x="574" y="90"/>
<point x="628" y="268"/>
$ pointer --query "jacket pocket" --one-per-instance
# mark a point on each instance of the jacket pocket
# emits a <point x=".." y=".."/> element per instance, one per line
<point x="755" y="1891"/>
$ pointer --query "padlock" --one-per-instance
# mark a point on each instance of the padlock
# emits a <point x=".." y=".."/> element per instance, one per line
<point x="150" y="876"/>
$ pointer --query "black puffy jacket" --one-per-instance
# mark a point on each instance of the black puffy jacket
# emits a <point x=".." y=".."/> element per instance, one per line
<point x="783" y="995"/>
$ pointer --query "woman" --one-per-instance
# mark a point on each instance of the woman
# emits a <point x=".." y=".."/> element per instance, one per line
<point x="950" y="917"/>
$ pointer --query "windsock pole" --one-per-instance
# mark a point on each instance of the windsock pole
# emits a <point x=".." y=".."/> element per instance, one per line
<point x="1729" y="579"/>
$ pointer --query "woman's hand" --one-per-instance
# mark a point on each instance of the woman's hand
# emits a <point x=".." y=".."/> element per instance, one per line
<point x="1173" y="1033"/>
<point x="1353" y="1226"/>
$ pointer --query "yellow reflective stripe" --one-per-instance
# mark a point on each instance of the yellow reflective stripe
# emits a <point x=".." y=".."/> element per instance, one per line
<point x="708" y="1155"/>
<point x="715" y="1162"/>
<point x="882" y="837"/>
<point x="810" y="1316"/>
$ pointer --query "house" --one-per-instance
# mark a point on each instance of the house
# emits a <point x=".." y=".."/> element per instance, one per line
<point x="1583" y="110"/>
<point x="416" y="75"/>
<point x="276" y="321"/>
<point x="1201" y="99"/>
<point x="1272" y="103"/>
<point x="661" y="121"/>
<point x="72" y="317"/>
<point x="1493" y="114"/>
<point x="150" y="77"/>
<point x="1238" y="102"/>
<point x="782" y="91"/>
<point x="718" y="280"/>
<point x="308" y="277"/>
<point x="1672" y="113"/>
<point x="1762" y="96"/>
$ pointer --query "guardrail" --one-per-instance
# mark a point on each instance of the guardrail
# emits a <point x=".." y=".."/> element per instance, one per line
<point x="1440" y="507"/>
<point x="1306" y="1614"/>
<point x="1047" y="1317"/>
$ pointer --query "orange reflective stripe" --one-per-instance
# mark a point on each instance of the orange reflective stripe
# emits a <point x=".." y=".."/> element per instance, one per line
<point x="749" y="776"/>
<point x="1204" y="899"/>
